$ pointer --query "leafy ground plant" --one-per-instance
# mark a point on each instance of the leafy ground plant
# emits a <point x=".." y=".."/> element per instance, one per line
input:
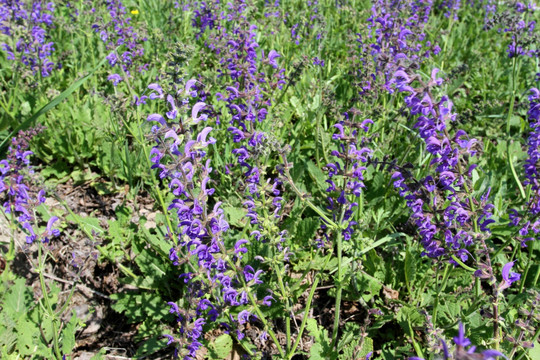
<point x="261" y="179"/>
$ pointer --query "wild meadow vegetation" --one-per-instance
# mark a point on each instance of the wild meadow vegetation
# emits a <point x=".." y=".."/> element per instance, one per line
<point x="249" y="179"/>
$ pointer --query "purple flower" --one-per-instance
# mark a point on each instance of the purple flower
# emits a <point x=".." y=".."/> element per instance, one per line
<point x="170" y="338"/>
<point x="238" y="246"/>
<point x="158" y="94"/>
<point x="115" y="78"/>
<point x="195" y="112"/>
<point x="508" y="277"/>
<point x="174" y="308"/>
<point x="461" y="340"/>
<point x="272" y="56"/>
<point x="115" y="29"/>
<point x="243" y="317"/>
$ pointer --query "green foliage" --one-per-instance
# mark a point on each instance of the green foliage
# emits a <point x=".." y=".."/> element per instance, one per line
<point x="95" y="135"/>
<point x="220" y="347"/>
<point x="322" y="348"/>
<point x="25" y="329"/>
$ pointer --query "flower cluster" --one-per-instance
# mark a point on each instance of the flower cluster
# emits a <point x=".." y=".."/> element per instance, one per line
<point x="346" y="173"/>
<point x="464" y="349"/>
<point x="313" y="25"/>
<point x="27" y="24"/>
<point x="440" y="203"/>
<point x="451" y="8"/>
<point x="247" y="101"/>
<point x="115" y="29"/>
<point x="529" y="230"/>
<point x="396" y="38"/>
<point x="217" y="283"/>
<point x="204" y="16"/>
<point x="522" y="32"/>
<point x="21" y="198"/>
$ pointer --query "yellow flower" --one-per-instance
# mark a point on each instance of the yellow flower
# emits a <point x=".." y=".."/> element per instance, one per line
<point x="135" y="12"/>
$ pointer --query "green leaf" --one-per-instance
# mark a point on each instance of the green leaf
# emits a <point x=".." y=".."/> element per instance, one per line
<point x="16" y="299"/>
<point x="409" y="316"/>
<point x="317" y="175"/>
<point x="316" y="352"/>
<point x="88" y="224"/>
<point x="8" y="336"/>
<point x="367" y="347"/>
<point x="139" y="306"/>
<point x="410" y="267"/>
<point x="297" y="106"/>
<point x="235" y="216"/>
<point x="57" y="100"/>
<point x="68" y="334"/>
<point x="367" y="286"/>
<point x="322" y="349"/>
<point x="158" y="243"/>
<point x="221" y="347"/>
<point x="316" y="102"/>
<point x="152" y="266"/>
<point x="306" y="229"/>
<point x="312" y="327"/>
<point x="151" y="346"/>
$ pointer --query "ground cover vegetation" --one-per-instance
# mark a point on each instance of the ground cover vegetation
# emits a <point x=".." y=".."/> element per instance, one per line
<point x="332" y="179"/>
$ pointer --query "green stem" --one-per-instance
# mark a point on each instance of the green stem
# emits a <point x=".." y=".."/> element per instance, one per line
<point x="11" y="251"/>
<point x="308" y="307"/>
<point x="441" y="288"/>
<point x="466" y="267"/>
<point x="338" y="292"/>
<point x="417" y="347"/>
<point x="339" y="289"/>
<point x="287" y="308"/>
<point x="71" y="292"/>
<point x="529" y="263"/>
<point x="537" y="275"/>
<point x="514" y="173"/>
<point x="48" y="307"/>
<point x="513" y="95"/>
<point x="265" y="323"/>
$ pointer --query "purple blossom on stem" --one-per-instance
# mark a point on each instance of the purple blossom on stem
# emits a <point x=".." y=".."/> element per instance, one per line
<point x="17" y="189"/>
<point x="27" y="24"/>
<point x="464" y="349"/>
<point x="452" y="234"/>
<point x="115" y="29"/>
<point x="216" y="281"/>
